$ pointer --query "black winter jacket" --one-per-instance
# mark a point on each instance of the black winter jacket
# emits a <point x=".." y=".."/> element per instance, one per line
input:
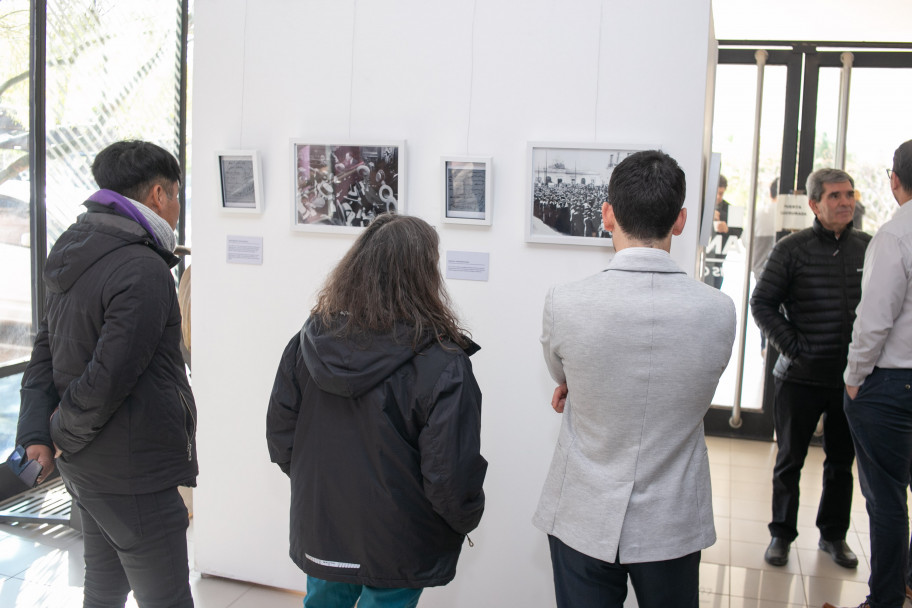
<point x="382" y="446"/>
<point x="107" y="353"/>
<point x="805" y="302"/>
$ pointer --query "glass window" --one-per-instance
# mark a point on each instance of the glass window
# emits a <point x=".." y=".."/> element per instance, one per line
<point x="744" y="221"/>
<point x="9" y="412"/>
<point x="113" y="73"/>
<point x="15" y="256"/>
<point x="827" y="119"/>
<point x="879" y="120"/>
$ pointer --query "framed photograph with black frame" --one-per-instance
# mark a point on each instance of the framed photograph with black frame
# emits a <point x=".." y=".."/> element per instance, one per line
<point x="566" y="186"/>
<point x="467" y="189"/>
<point x="341" y="187"/>
<point x="239" y="181"/>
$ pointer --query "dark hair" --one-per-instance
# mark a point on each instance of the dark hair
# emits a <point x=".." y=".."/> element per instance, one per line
<point x="723" y="183"/>
<point x="818" y="178"/>
<point x="774" y="188"/>
<point x="902" y="165"/>
<point x="390" y="277"/>
<point x="646" y="192"/>
<point x="131" y="168"/>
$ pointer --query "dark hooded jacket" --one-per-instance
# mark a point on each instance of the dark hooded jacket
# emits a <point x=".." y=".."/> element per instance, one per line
<point x="107" y="353"/>
<point x="381" y="442"/>
<point x="805" y="302"/>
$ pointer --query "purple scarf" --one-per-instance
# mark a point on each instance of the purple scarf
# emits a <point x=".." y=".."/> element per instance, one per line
<point x="121" y="205"/>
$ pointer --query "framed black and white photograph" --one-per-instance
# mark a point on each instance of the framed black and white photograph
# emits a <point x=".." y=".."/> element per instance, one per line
<point x="467" y="188"/>
<point x="341" y="187"/>
<point x="566" y="185"/>
<point x="239" y="181"/>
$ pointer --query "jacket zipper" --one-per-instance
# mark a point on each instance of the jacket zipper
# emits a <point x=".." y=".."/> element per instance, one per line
<point x="192" y="419"/>
<point x="469" y="538"/>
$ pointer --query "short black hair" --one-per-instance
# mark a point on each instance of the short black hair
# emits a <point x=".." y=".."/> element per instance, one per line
<point x="132" y="167"/>
<point x="723" y="183"/>
<point x="902" y="165"/>
<point x="774" y="188"/>
<point x="646" y="192"/>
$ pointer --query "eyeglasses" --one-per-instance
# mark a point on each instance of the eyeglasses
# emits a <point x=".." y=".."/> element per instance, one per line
<point x="889" y="173"/>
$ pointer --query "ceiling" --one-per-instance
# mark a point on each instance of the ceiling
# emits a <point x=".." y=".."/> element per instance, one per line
<point x="822" y="20"/>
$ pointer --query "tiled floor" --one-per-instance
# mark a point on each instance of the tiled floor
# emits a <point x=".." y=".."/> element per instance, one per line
<point x="733" y="573"/>
<point x="43" y="566"/>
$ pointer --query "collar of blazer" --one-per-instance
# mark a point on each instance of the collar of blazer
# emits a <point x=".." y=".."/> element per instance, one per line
<point x="644" y="259"/>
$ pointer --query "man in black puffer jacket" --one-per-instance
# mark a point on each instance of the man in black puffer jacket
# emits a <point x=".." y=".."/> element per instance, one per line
<point x="805" y="304"/>
<point x="106" y="385"/>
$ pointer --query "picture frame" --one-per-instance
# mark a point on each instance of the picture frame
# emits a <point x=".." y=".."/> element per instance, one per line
<point x="240" y="189"/>
<point x="341" y="186"/>
<point x="566" y="185"/>
<point x="467" y="190"/>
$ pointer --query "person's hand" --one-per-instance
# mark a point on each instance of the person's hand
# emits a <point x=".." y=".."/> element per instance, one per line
<point x="560" y="398"/>
<point x="852" y="391"/>
<point x="721" y="227"/>
<point x="45" y="457"/>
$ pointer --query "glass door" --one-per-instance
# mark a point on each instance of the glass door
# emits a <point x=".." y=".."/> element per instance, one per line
<point x="779" y="114"/>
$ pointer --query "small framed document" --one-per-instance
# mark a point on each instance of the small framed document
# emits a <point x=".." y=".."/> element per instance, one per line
<point x="467" y="188"/>
<point x="239" y="181"/>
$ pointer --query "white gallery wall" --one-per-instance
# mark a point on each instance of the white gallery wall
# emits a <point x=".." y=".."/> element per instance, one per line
<point x="449" y="78"/>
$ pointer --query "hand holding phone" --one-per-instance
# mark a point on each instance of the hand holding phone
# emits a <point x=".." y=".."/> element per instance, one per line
<point x="27" y="470"/>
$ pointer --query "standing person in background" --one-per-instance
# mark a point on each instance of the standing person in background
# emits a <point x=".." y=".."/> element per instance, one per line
<point x="107" y="387"/>
<point x="375" y="416"/>
<point x="878" y="400"/>
<point x="637" y="351"/>
<point x="805" y="304"/>
<point x="714" y="259"/>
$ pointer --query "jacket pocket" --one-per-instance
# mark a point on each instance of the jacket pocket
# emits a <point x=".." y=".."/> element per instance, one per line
<point x="189" y="422"/>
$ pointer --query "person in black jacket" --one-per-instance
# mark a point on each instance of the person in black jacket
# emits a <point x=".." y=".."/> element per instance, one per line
<point x="805" y="303"/>
<point x="375" y="416"/>
<point x="106" y="385"/>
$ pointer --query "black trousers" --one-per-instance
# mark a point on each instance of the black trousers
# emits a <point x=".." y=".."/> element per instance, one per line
<point x="797" y="410"/>
<point x="138" y="542"/>
<point x="881" y="422"/>
<point x="581" y="581"/>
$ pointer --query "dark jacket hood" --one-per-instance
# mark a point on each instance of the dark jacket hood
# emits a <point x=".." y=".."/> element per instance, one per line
<point x="96" y="233"/>
<point x="349" y="367"/>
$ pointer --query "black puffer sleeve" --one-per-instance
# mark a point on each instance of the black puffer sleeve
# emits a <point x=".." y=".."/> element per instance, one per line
<point x="771" y="292"/>
<point x="450" y="448"/>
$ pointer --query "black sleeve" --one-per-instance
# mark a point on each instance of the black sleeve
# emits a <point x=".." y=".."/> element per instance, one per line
<point x="284" y="405"/>
<point x="38" y="394"/>
<point x="449" y="446"/>
<point x="771" y="292"/>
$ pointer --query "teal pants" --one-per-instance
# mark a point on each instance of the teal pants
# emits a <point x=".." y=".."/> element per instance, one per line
<point x="324" y="594"/>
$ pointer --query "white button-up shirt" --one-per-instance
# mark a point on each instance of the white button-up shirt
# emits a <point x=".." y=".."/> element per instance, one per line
<point x="882" y="334"/>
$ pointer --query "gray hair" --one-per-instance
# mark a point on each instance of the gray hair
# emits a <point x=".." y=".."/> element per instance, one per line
<point x="818" y="178"/>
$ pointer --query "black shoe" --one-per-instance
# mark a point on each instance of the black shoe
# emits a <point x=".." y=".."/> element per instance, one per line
<point x="840" y="552"/>
<point x="777" y="554"/>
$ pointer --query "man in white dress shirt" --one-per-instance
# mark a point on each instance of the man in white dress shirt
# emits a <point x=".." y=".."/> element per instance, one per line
<point x="641" y="347"/>
<point x="878" y="402"/>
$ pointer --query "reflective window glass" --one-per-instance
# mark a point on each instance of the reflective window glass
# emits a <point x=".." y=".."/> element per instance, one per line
<point x="15" y="255"/>
<point x="113" y="73"/>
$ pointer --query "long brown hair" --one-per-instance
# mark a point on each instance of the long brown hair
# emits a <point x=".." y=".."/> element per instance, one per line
<point x="390" y="277"/>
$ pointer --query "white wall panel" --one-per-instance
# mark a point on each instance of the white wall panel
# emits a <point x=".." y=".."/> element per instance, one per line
<point x="450" y="78"/>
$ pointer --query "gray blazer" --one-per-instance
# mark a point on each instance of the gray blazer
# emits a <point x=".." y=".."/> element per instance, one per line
<point x="641" y="347"/>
